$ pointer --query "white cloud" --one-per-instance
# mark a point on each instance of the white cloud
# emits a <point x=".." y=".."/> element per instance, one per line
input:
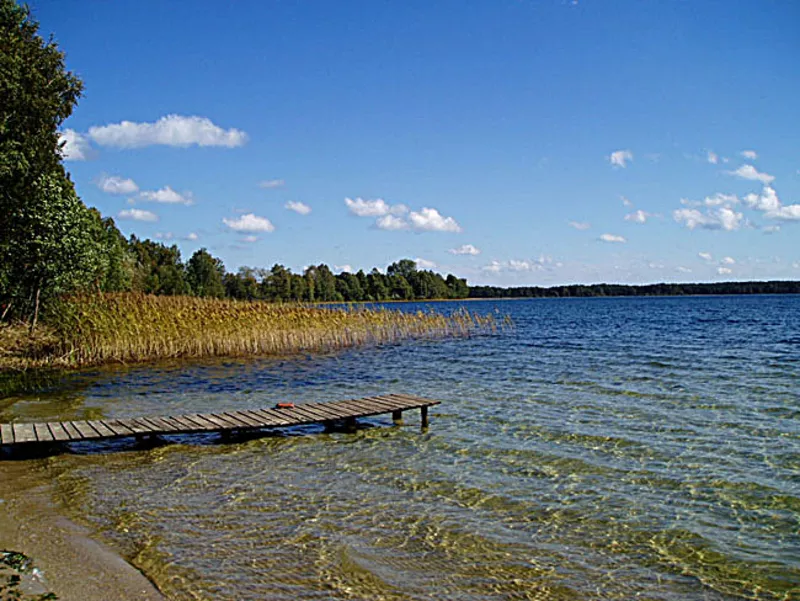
<point x="390" y="222"/>
<point x="164" y="236"/>
<point x="250" y="239"/>
<point x="749" y="154"/>
<point x="626" y="201"/>
<point x="724" y="270"/>
<point x="712" y="157"/>
<point x="723" y="218"/>
<point x="172" y="130"/>
<point x="298" y="207"/>
<point x="728" y="261"/>
<point x="796" y="264"/>
<point x="249" y="223"/>
<point x="681" y="269"/>
<point x="706" y="256"/>
<point x="619" y="158"/>
<point x="753" y="174"/>
<point x="638" y="216"/>
<point x="611" y="238"/>
<point x="771" y="229"/>
<point x="191" y="236"/>
<point x="425" y="263"/>
<point x="521" y="265"/>
<point x="113" y="184"/>
<point x="787" y="213"/>
<point x="368" y="208"/>
<point x="137" y="215"/>
<point x="76" y="147"/>
<point x="343" y="268"/>
<point x="465" y="249"/>
<point x="766" y="201"/>
<point x="271" y="183"/>
<point x="580" y="225"/>
<point x="167" y="195"/>
<point x="720" y="199"/>
<point x="430" y="220"/>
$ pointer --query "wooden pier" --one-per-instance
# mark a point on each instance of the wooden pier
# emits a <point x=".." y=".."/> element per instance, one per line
<point x="226" y="421"/>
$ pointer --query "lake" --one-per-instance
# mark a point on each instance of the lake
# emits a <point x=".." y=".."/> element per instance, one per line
<point x="598" y="449"/>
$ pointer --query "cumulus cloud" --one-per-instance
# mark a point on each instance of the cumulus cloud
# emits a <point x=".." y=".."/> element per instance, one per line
<point x="75" y="146"/>
<point x="751" y="173"/>
<point x="249" y="223"/>
<point x="620" y="158"/>
<point x="787" y="213"/>
<point x="749" y="154"/>
<point x="724" y="218"/>
<point x="611" y="238"/>
<point x="465" y="249"/>
<point x="724" y="270"/>
<point x="298" y="207"/>
<point x="712" y="157"/>
<point x="767" y="201"/>
<point x="113" y="184"/>
<point x="137" y="215"/>
<point x="638" y="216"/>
<point x="425" y="263"/>
<point x="271" y="183"/>
<point x="580" y="225"/>
<point x="373" y="208"/>
<point x="706" y="256"/>
<point x="728" y="261"/>
<point x="171" y="130"/>
<point x="771" y="229"/>
<point x="391" y="222"/>
<point x="521" y="265"/>
<point x="250" y="239"/>
<point x="343" y="268"/>
<point x="164" y="236"/>
<point x="191" y="236"/>
<point x="167" y="195"/>
<point x="681" y="269"/>
<point x="626" y="201"/>
<point x="429" y="220"/>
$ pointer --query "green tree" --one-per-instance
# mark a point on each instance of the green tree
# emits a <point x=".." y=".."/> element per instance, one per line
<point x="158" y="268"/>
<point x="204" y="274"/>
<point x="47" y="246"/>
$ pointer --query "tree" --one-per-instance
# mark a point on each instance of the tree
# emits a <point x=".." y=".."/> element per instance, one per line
<point x="204" y="274"/>
<point x="47" y="231"/>
<point x="158" y="268"/>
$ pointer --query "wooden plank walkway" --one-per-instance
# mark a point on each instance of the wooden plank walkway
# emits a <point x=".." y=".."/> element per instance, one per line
<point x="224" y="421"/>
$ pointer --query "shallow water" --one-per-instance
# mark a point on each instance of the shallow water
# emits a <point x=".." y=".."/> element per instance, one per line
<point x="600" y="449"/>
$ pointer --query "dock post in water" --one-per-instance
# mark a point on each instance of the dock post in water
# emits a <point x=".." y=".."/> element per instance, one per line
<point x="423" y="413"/>
<point x="397" y="416"/>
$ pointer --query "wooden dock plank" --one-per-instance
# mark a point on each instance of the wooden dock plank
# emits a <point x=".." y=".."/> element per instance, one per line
<point x="42" y="433"/>
<point x="85" y="429"/>
<point x="117" y="428"/>
<point x="24" y="433"/>
<point x="58" y="432"/>
<point x="6" y="434"/>
<point x="102" y="429"/>
<point x="247" y="419"/>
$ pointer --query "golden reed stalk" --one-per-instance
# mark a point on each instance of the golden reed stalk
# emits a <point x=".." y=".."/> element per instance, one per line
<point x="104" y="328"/>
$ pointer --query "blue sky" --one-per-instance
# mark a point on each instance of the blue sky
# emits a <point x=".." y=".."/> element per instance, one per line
<point x="510" y="142"/>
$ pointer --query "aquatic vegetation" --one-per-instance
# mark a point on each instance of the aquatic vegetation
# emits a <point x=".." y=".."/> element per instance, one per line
<point x="16" y="582"/>
<point x="92" y="329"/>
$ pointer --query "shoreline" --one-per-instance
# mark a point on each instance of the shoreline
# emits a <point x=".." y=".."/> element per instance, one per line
<point x="75" y="566"/>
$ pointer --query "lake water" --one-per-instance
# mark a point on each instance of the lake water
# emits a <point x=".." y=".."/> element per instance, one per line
<point x="599" y="449"/>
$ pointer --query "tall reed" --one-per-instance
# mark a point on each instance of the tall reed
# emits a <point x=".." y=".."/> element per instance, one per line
<point x="104" y="328"/>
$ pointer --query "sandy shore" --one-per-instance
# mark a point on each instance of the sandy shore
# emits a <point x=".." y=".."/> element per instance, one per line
<point x="74" y="566"/>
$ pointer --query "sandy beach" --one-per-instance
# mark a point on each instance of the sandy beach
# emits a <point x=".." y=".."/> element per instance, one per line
<point x="73" y="565"/>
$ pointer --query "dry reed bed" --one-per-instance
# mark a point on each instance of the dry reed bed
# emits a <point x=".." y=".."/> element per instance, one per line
<point x="94" y="329"/>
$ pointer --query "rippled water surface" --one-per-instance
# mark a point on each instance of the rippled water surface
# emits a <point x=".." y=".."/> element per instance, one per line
<point x="600" y="449"/>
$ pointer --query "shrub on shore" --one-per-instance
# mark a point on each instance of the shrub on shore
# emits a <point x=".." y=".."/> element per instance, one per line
<point x="128" y="328"/>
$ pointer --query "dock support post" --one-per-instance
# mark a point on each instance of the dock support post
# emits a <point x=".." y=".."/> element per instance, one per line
<point x="397" y="416"/>
<point x="350" y="424"/>
<point x="423" y="412"/>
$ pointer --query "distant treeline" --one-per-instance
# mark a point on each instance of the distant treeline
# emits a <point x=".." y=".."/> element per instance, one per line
<point x="581" y="290"/>
<point x="154" y="268"/>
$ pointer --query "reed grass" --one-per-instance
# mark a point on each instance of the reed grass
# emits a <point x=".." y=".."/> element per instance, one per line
<point x="129" y="328"/>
